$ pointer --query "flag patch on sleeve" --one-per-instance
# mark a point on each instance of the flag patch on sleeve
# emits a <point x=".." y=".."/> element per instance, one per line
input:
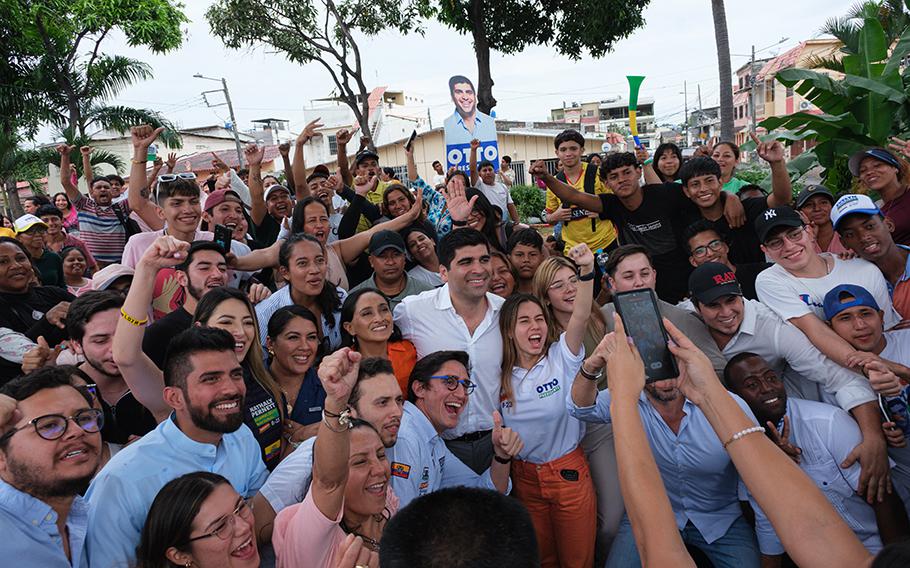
<point x="401" y="470"/>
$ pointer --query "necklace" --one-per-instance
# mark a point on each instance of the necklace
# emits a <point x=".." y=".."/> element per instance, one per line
<point x="371" y="543"/>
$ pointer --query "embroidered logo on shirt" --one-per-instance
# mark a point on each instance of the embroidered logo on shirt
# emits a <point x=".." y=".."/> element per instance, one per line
<point x="548" y="389"/>
<point x="401" y="470"/>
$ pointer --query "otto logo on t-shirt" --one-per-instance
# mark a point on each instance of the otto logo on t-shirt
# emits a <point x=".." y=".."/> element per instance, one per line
<point x="724" y="278"/>
<point x="548" y="388"/>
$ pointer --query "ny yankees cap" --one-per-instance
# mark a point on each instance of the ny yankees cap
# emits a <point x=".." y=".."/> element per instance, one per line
<point x="774" y="218"/>
<point x="713" y="280"/>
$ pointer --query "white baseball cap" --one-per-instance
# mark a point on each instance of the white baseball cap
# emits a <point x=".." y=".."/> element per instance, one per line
<point x="26" y="222"/>
<point x="852" y="203"/>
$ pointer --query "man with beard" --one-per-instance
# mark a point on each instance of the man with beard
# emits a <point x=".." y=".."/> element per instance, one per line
<point x="91" y="323"/>
<point x="203" y="269"/>
<point x="697" y="472"/>
<point x="49" y="452"/>
<point x="204" y="385"/>
<point x="818" y="437"/>
<point x="376" y="398"/>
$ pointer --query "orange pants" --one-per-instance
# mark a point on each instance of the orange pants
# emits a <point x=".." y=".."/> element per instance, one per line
<point x="560" y="497"/>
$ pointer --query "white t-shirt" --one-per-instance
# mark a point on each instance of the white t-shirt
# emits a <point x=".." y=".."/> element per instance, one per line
<point x="897" y="346"/>
<point x="498" y="194"/>
<point x="792" y="297"/>
<point x="537" y="411"/>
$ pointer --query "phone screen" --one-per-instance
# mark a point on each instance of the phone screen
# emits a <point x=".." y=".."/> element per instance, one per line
<point x="410" y="141"/>
<point x="223" y="237"/>
<point x="641" y="318"/>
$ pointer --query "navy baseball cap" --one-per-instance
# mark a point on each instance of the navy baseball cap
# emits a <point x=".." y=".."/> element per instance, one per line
<point x="879" y="154"/>
<point x="846" y="296"/>
<point x="385" y="239"/>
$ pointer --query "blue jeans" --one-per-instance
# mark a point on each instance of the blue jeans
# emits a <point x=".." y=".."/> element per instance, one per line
<point x="736" y="549"/>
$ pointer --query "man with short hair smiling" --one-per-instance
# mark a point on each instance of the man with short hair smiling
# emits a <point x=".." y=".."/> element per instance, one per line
<point x="49" y="451"/>
<point x="525" y="248"/>
<point x="867" y="232"/>
<point x="204" y="386"/>
<point x="225" y="207"/>
<point x="56" y="239"/>
<point x="387" y="259"/>
<point x="818" y="437"/>
<point x="439" y="178"/>
<point x="462" y="315"/>
<point x="438" y="392"/>
<point x="467" y="123"/>
<point x="376" y="398"/>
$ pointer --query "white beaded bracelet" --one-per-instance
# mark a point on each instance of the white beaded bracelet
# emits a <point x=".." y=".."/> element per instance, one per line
<point x="742" y="434"/>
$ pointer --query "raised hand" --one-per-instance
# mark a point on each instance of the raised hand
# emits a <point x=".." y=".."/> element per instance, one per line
<point x="284" y="149"/>
<point x="343" y="136"/>
<point x="85" y="150"/>
<point x="253" y="154"/>
<point x="538" y="169"/>
<point x="416" y="208"/>
<point x="506" y="442"/>
<point x="338" y="374"/>
<point x="623" y="362"/>
<point x="902" y="147"/>
<point x="57" y="314"/>
<point x="38" y="356"/>
<point x="475" y="144"/>
<point x="583" y="257"/>
<point x="218" y="164"/>
<point x="64" y="149"/>
<point x="770" y="152"/>
<point x="164" y="252"/>
<point x="143" y="135"/>
<point x="171" y="162"/>
<point x="459" y="206"/>
<point x="782" y="439"/>
<point x="334" y="183"/>
<point x="364" y="185"/>
<point x="641" y="154"/>
<point x="309" y="132"/>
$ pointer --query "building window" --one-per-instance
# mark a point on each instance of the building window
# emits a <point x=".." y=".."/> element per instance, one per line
<point x="789" y="91"/>
<point x="333" y="144"/>
<point x="769" y="90"/>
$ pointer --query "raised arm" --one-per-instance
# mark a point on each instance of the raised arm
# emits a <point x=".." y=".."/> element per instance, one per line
<point x="773" y="153"/>
<point x="813" y="534"/>
<point x="152" y="178"/>
<point x="584" y="297"/>
<point x="138" y="196"/>
<point x="253" y="155"/>
<point x="472" y="161"/>
<point x="145" y="380"/>
<point x="641" y="154"/>
<point x="86" y="152"/>
<point x="412" y="165"/>
<point x="342" y="138"/>
<point x="66" y="172"/>
<point x="331" y="452"/>
<point x="284" y="149"/>
<point x="564" y="191"/>
<point x="301" y="189"/>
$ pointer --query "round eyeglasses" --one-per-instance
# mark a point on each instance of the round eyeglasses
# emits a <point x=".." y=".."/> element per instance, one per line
<point x="451" y="382"/>
<point x="54" y="426"/>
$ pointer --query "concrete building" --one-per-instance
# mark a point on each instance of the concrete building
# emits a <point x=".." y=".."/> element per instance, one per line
<point x="610" y="115"/>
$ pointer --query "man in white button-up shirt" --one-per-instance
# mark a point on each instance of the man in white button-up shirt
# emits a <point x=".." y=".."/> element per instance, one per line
<point x="462" y="315"/>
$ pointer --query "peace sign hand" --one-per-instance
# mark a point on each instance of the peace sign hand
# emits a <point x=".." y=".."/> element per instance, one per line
<point x="782" y="439"/>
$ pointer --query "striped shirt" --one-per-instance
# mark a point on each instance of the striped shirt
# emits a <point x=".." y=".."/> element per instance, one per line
<point x="100" y="228"/>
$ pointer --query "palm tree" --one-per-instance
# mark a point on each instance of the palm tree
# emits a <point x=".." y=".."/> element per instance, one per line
<point x="723" y="67"/>
<point x="892" y="15"/>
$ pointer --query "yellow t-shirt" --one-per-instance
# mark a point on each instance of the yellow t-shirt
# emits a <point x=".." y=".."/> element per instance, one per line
<point x="579" y="231"/>
<point x="374" y="197"/>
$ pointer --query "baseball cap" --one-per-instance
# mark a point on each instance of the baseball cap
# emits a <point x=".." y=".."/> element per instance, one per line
<point x="836" y="299"/>
<point x="365" y="155"/>
<point x="218" y="197"/>
<point x="385" y="239"/>
<point x="26" y="222"/>
<point x="852" y="203"/>
<point x="879" y="154"/>
<point x="811" y="191"/>
<point x="273" y="188"/>
<point x="319" y="171"/>
<point x="774" y="218"/>
<point x="102" y="279"/>
<point x="713" y="280"/>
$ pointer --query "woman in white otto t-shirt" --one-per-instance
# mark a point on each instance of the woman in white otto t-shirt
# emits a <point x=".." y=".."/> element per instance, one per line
<point x="551" y="476"/>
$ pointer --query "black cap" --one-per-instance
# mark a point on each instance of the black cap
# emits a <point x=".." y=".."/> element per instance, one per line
<point x="713" y="280"/>
<point x="386" y="239"/>
<point x="774" y="218"/>
<point x="811" y="191"/>
<point x="319" y="171"/>
<point x="364" y="155"/>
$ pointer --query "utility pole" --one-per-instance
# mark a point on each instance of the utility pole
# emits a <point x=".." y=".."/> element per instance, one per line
<point x="686" y="111"/>
<point x="752" y="89"/>
<point x="227" y="99"/>
<point x="699" y="97"/>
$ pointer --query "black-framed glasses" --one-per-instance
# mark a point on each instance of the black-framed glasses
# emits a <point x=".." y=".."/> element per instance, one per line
<point x="224" y="527"/>
<point x="451" y="382"/>
<point x="701" y="251"/>
<point x="793" y="235"/>
<point x="54" y="426"/>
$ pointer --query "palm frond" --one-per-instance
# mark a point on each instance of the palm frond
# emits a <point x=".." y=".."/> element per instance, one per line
<point x="829" y="63"/>
<point x="99" y="156"/>
<point x="109" y="75"/>
<point x="121" y="118"/>
<point x="845" y="29"/>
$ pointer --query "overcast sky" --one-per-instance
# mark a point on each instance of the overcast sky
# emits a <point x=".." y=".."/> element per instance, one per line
<point x="675" y="45"/>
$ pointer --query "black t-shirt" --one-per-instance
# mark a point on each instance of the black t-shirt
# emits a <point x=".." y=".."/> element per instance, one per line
<point x="746" y="274"/>
<point x="657" y="225"/>
<point x="126" y="418"/>
<point x="25" y="312"/>
<point x="310" y="400"/>
<point x="743" y="241"/>
<point x="50" y="269"/>
<point x="267" y="231"/>
<point x="159" y="334"/>
<point x="263" y="418"/>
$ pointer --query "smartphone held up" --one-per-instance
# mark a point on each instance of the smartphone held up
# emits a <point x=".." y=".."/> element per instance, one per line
<point x="642" y="320"/>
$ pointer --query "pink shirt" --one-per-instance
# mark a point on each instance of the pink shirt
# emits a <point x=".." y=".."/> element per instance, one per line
<point x="834" y="247"/>
<point x="303" y="536"/>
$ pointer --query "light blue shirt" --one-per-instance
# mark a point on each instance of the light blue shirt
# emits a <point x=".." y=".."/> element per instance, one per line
<point x="697" y="472"/>
<point x="826" y="435"/>
<point x="421" y="462"/>
<point x="29" y="530"/>
<point x="121" y="494"/>
<point x="457" y="133"/>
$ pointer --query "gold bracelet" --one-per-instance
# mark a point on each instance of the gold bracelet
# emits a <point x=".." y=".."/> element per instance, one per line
<point x="131" y="320"/>
<point x="139" y="161"/>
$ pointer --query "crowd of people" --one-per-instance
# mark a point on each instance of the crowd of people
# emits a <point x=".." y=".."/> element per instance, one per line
<point x="381" y="372"/>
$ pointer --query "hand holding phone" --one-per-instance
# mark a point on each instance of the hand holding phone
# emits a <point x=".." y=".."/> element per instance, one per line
<point x="223" y="236"/>
<point x="410" y="142"/>
<point x="644" y="324"/>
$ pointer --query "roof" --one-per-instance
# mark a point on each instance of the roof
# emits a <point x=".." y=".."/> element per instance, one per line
<point x="222" y="134"/>
<point x="201" y="162"/>
<point x="793" y="56"/>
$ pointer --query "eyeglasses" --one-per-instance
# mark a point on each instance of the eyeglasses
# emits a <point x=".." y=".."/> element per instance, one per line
<point x="556" y="286"/>
<point x="224" y="527"/>
<point x="54" y="426"/>
<point x="165" y="178"/>
<point x="714" y="245"/>
<point x="451" y="382"/>
<point x="793" y="235"/>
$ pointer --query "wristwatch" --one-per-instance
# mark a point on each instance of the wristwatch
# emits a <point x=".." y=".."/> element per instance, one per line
<point x="590" y="376"/>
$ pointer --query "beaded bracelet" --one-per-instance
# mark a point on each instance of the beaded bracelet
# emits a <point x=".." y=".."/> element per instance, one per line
<point x="131" y="320"/>
<point x="743" y="434"/>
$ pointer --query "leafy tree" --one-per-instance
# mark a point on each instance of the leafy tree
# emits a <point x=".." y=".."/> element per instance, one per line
<point x="509" y="26"/>
<point x="723" y="68"/>
<point x="891" y="14"/>
<point x="530" y="200"/>
<point x="320" y="31"/>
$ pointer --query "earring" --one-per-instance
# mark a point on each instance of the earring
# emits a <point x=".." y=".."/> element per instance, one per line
<point x="271" y="352"/>
<point x="188" y="563"/>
